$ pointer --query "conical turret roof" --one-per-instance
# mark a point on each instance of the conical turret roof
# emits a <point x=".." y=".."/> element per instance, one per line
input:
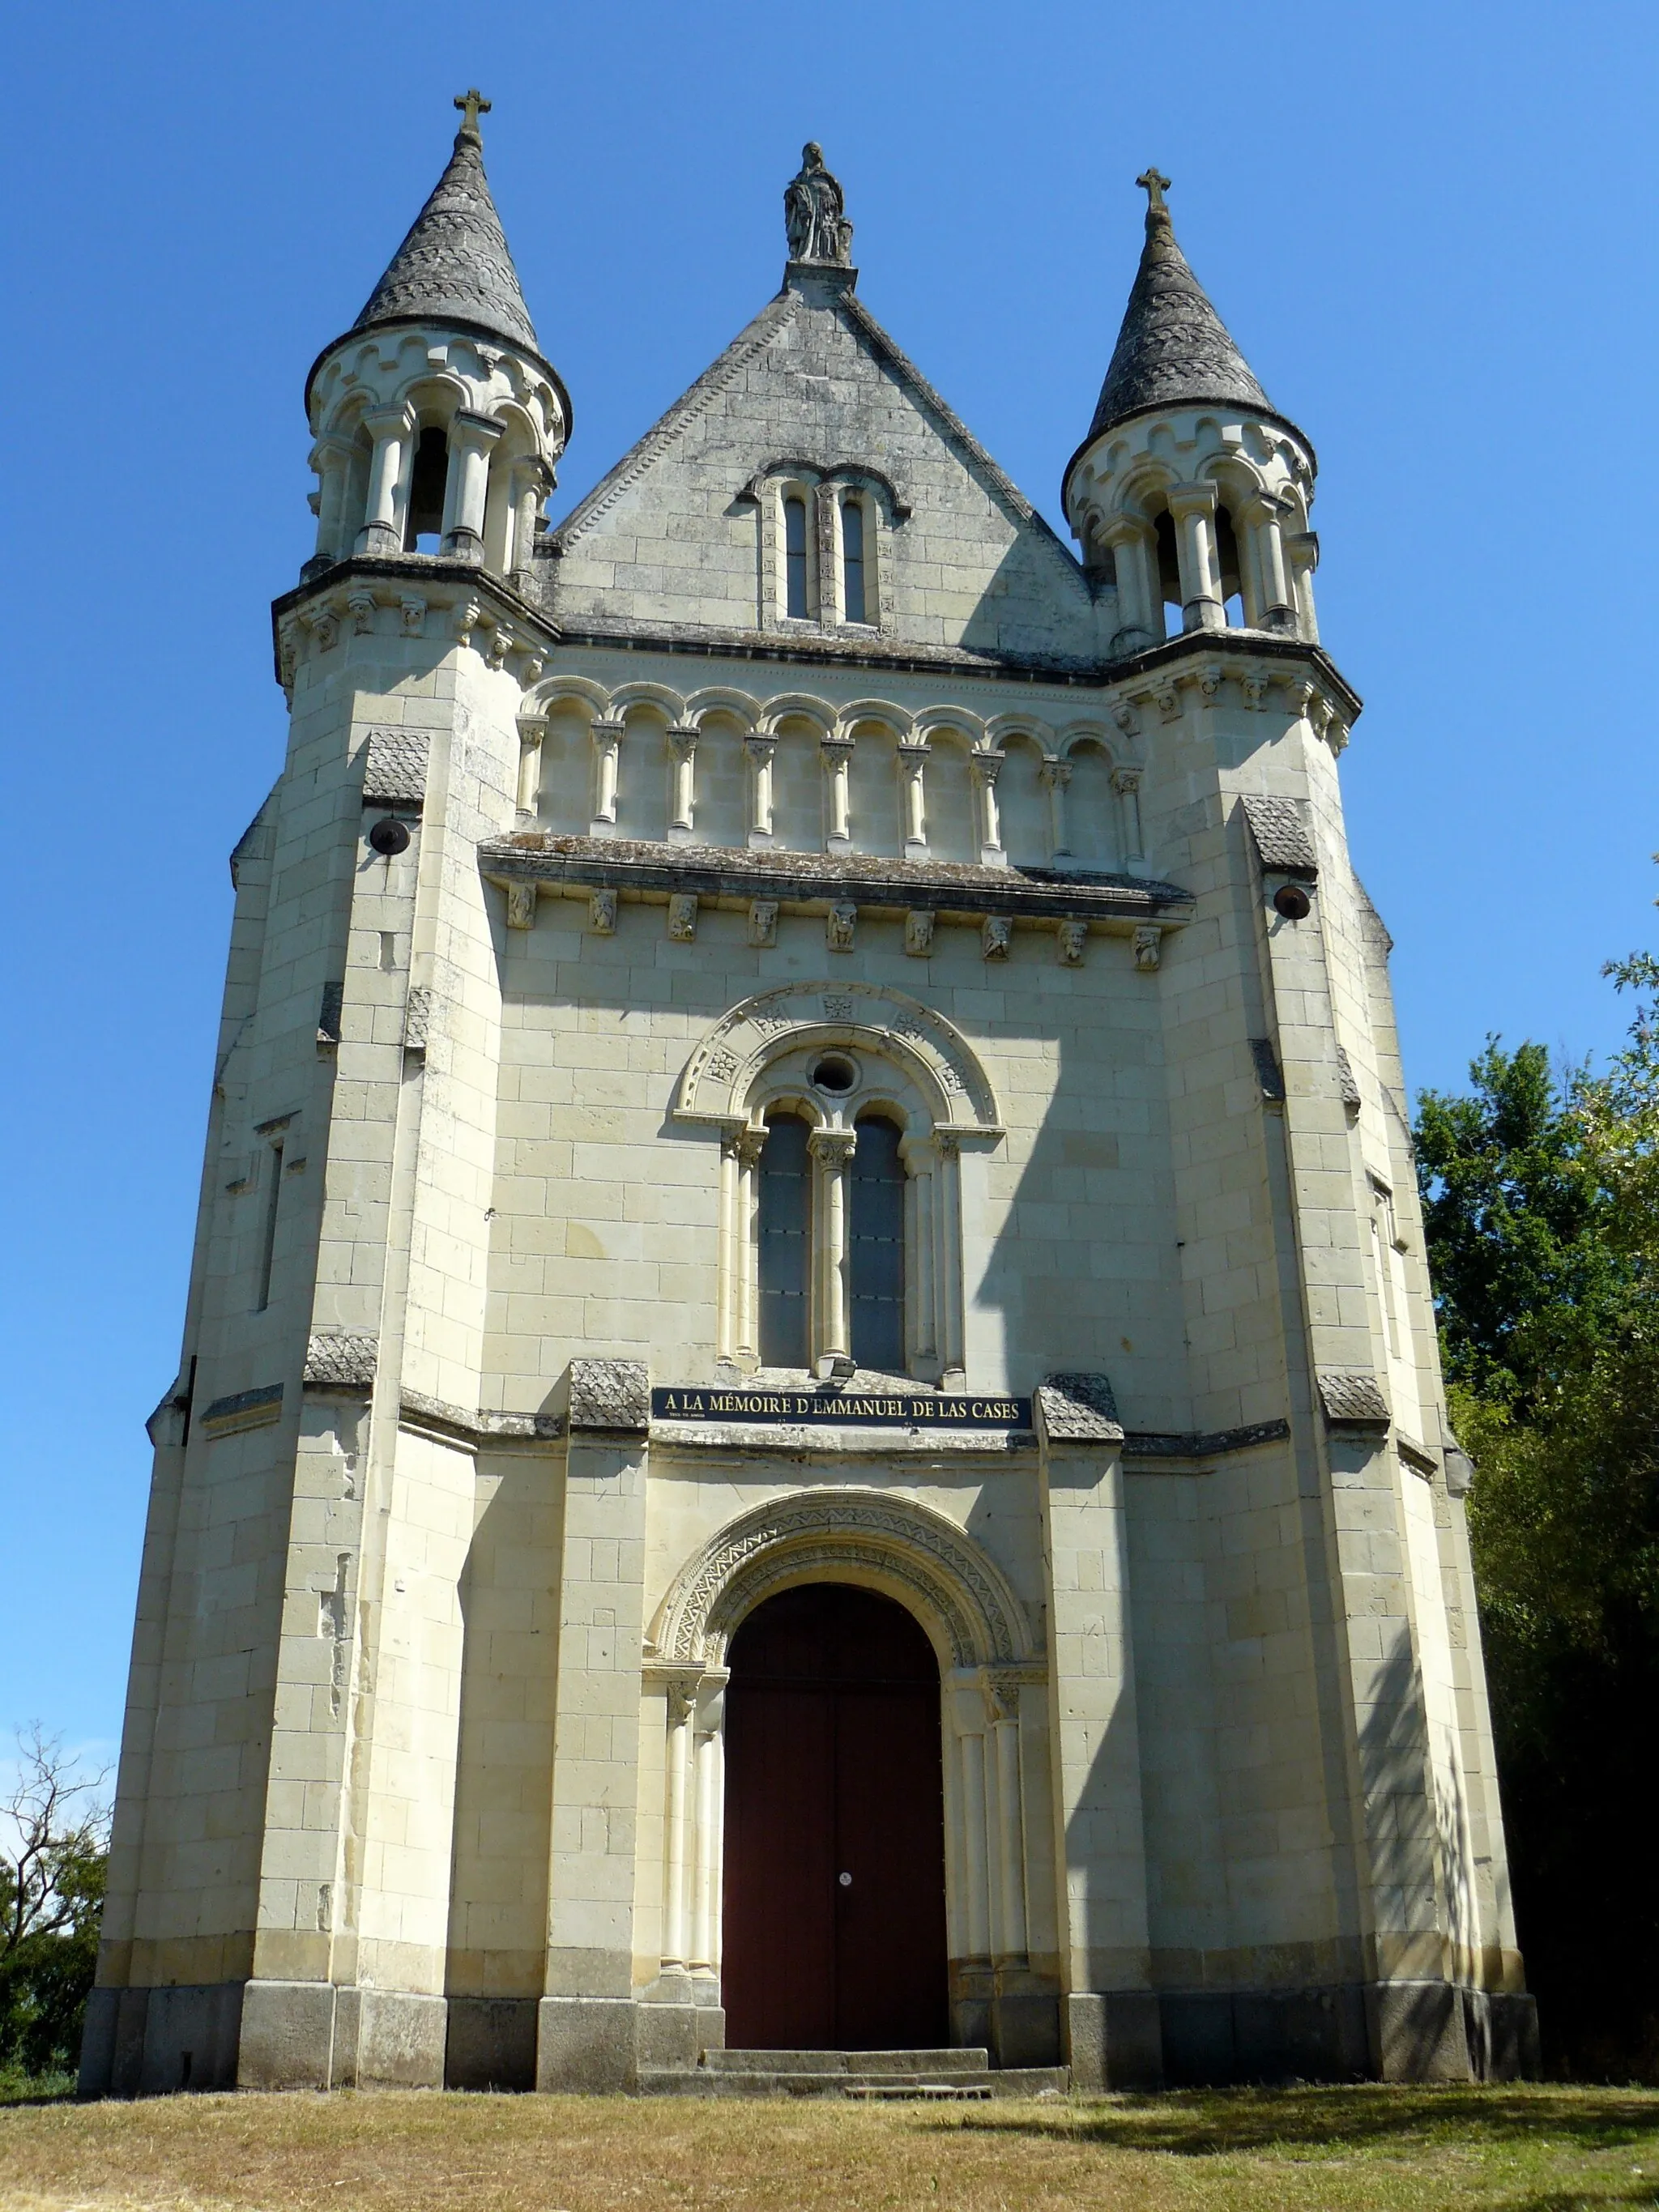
<point x="1173" y="347"/>
<point x="455" y="266"/>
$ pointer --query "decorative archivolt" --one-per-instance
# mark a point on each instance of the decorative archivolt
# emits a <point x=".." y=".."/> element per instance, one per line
<point x="885" y="1542"/>
<point x="721" y="1076"/>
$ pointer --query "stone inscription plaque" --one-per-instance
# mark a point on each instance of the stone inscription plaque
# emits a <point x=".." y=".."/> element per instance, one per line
<point x="839" y="1408"/>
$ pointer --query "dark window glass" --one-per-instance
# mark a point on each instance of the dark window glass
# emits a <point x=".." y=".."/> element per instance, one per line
<point x="852" y="560"/>
<point x="876" y="1247"/>
<point x="795" y="556"/>
<point x="427" y="481"/>
<point x="786" y="1219"/>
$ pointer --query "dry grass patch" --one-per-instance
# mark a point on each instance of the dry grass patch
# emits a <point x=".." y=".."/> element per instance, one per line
<point x="1522" y="2150"/>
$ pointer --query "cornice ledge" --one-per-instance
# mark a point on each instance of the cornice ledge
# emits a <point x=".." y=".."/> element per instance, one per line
<point x="815" y="879"/>
<point x="1157" y="1444"/>
<point x="457" y="1424"/>
<point x="335" y="591"/>
<point x="1234" y="645"/>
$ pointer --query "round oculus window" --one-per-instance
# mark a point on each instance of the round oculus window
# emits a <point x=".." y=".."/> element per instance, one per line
<point x="833" y="1073"/>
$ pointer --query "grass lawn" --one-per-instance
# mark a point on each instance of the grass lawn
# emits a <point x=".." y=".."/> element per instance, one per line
<point x="1525" y="2150"/>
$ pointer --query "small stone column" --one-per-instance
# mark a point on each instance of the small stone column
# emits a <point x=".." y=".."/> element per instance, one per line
<point x="332" y="458"/>
<point x="1260" y="516"/>
<point x="530" y="766"/>
<point x="832" y="1152"/>
<point x="677" y="1788"/>
<point x="947" y="1260"/>
<point x="1056" y="775"/>
<point x="708" y="1856"/>
<point x="969" y="1703"/>
<point x="920" y="1160"/>
<point x="1125" y="782"/>
<point x="1192" y="509"/>
<point x="607" y="745"/>
<point x="393" y="429"/>
<point x="837" y="765"/>
<point x="1139" y="599"/>
<point x="1003" y="1697"/>
<point x="913" y="763"/>
<point x="986" y="765"/>
<point x="532" y="482"/>
<point x="683" y="753"/>
<point x="1301" y="549"/>
<point x="472" y="438"/>
<point x="762" y="751"/>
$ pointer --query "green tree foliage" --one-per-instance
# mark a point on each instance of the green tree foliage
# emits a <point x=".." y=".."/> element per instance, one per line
<point x="1541" y="1206"/>
<point x="53" y="1854"/>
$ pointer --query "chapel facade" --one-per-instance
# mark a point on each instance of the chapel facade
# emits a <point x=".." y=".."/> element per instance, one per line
<point x="809" y="1423"/>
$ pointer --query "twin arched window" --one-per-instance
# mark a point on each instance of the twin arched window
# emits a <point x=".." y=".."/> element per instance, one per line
<point x="809" y="596"/>
<point x="831" y="1238"/>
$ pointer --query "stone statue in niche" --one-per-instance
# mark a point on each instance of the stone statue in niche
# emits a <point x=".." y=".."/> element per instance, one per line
<point x="814" y="220"/>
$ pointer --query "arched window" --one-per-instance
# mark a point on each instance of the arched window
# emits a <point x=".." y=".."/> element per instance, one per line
<point x="427" y="481"/>
<point x="852" y="561"/>
<point x="1169" y="575"/>
<point x="876" y="1247"/>
<point x="784" y="1226"/>
<point x="795" y="556"/>
<point x="1229" y="567"/>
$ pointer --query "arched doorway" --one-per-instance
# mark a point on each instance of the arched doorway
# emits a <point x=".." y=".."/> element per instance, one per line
<point x="835" y="1827"/>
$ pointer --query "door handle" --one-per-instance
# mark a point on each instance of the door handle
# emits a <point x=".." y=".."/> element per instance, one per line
<point x="845" y="1880"/>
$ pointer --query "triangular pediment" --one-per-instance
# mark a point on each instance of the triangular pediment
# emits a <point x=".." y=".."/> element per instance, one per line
<point x="675" y="536"/>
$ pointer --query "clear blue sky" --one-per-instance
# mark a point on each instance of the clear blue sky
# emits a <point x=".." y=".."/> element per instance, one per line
<point x="1430" y="227"/>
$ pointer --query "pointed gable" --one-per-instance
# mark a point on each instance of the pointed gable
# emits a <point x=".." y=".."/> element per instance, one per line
<point x="674" y="538"/>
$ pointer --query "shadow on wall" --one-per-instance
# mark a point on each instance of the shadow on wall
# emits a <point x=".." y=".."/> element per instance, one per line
<point x="503" y="1782"/>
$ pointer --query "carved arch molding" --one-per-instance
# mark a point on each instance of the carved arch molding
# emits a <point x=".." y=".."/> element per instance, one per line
<point x="722" y="1069"/>
<point x="887" y="1543"/>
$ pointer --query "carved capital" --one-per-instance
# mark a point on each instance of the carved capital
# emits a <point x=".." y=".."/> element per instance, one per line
<point x="682" y="738"/>
<point x="1054" y="775"/>
<point x="1125" y="781"/>
<point x="832" y="1148"/>
<point x="986" y="765"/>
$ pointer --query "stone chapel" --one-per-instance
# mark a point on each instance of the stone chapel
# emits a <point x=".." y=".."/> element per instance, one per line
<point x="808" y="1449"/>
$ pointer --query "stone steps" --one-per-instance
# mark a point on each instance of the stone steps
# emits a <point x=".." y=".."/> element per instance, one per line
<point x="872" y="2076"/>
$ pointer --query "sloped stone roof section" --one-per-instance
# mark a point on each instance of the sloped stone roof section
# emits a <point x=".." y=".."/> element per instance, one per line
<point x="1281" y="836"/>
<point x="1172" y="348"/>
<point x="455" y="266"/>
<point x="668" y="539"/>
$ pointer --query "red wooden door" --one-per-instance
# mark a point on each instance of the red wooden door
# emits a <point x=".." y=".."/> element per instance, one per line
<point x="832" y="1770"/>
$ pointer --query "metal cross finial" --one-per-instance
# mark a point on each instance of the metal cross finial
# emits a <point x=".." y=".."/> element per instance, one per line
<point x="1154" y="183"/>
<point x="472" y="104"/>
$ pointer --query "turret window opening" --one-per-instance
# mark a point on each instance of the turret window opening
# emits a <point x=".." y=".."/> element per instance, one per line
<point x="429" y="478"/>
<point x="854" y="600"/>
<point x="1230" y="568"/>
<point x="876" y="1247"/>
<point x="794" y="557"/>
<point x="784" y="1232"/>
<point x="1169" y="575"/>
